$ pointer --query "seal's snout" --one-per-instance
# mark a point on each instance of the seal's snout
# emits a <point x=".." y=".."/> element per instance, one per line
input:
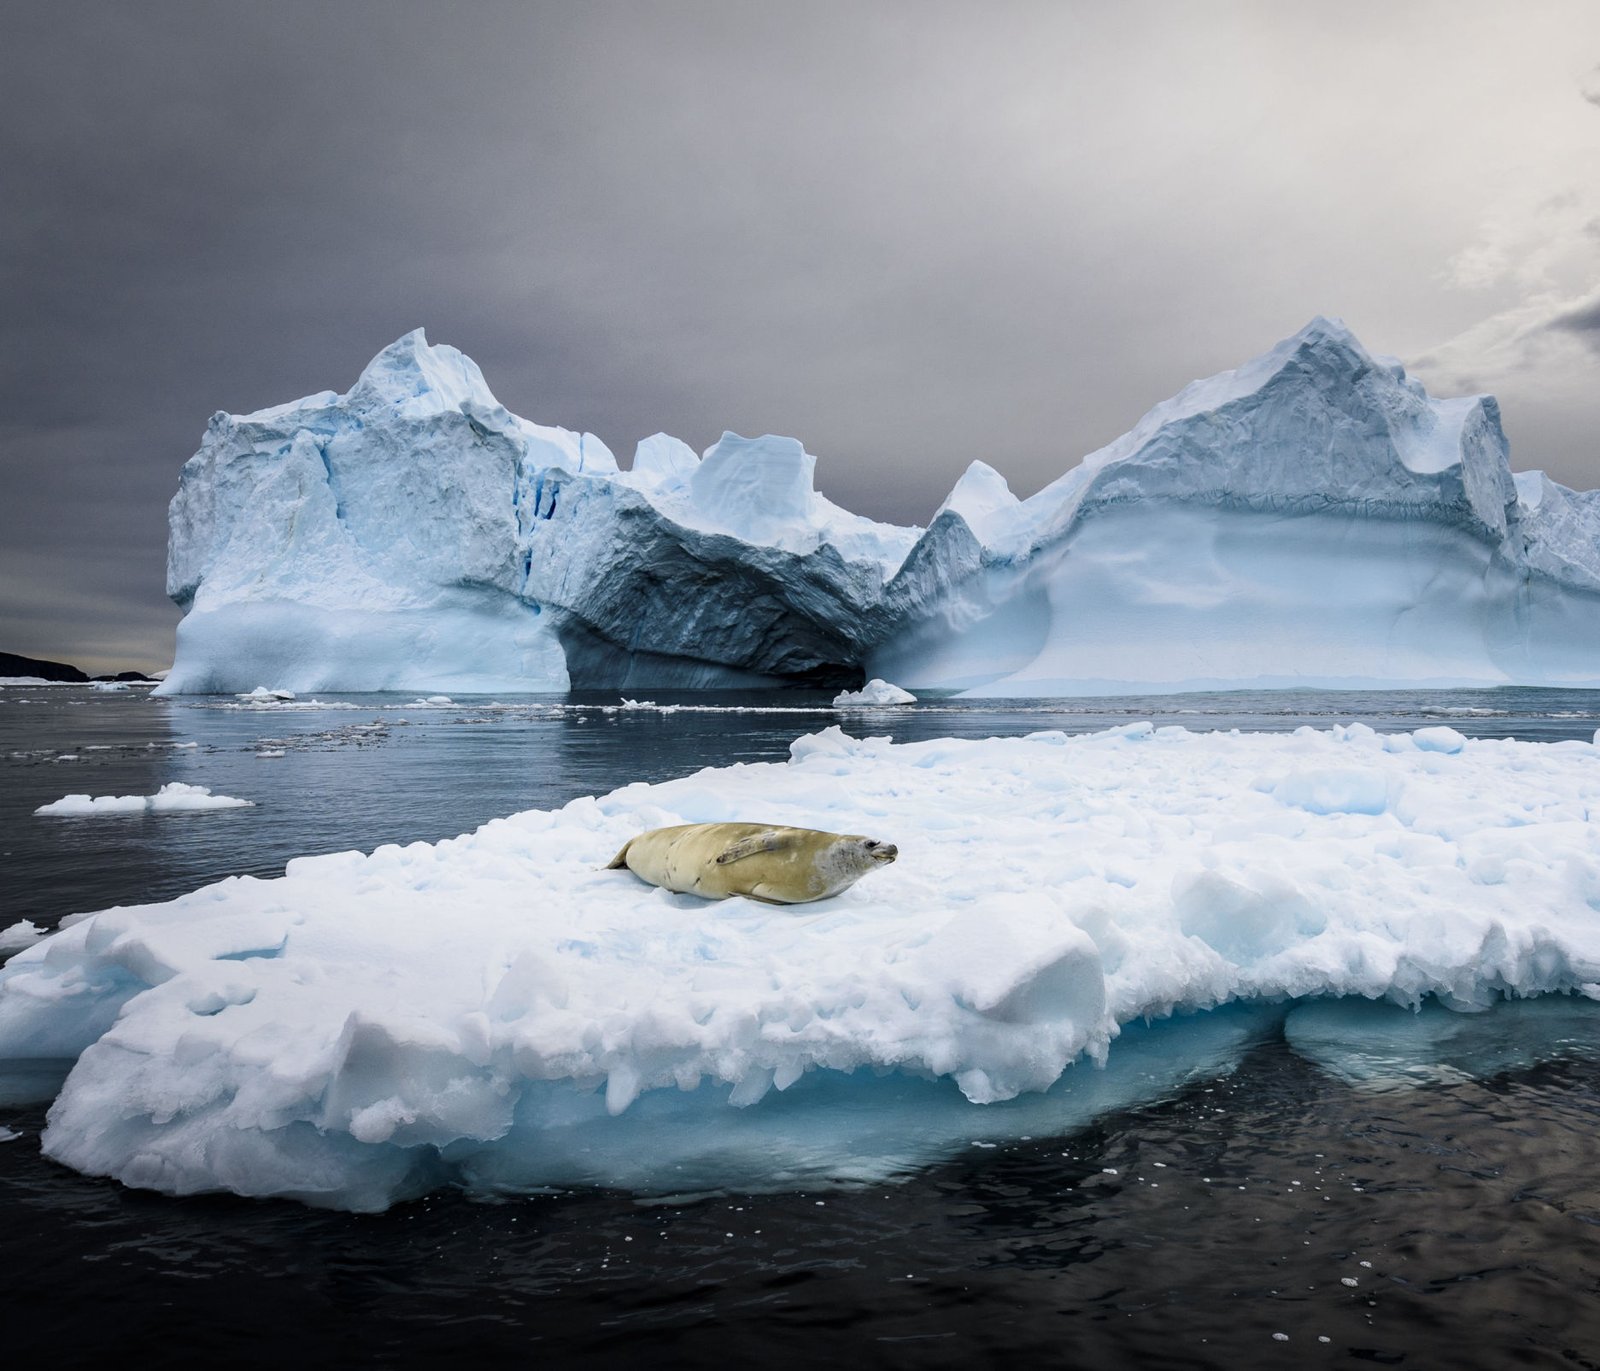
<point x="881" y="852"/>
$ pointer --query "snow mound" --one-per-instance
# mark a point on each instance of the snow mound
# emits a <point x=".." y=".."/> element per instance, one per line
<point x="875" y="692"/>
<point x="498" y="1012"/>
<point x="172" y="798"/>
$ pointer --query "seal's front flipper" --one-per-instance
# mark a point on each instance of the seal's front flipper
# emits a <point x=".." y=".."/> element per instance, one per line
<point x="769" y="840"/>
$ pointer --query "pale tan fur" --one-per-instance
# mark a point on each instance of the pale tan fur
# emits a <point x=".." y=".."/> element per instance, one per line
<point x="770" y="862"/>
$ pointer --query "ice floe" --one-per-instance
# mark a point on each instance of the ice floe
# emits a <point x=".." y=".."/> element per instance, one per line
<point x="497" y="1012"/>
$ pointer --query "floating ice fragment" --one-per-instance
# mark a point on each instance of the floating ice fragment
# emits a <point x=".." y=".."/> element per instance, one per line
<point x="875" y="692"/>
<point x="23" y="933"/>
<point x="174" y="797"/>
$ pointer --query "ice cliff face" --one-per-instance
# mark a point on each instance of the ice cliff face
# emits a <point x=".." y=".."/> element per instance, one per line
<point x="1312" y="517"/>
<point x="414" y="533"/>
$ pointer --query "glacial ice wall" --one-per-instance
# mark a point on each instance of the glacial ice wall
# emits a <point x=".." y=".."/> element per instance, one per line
<point x="1310" y="518"/>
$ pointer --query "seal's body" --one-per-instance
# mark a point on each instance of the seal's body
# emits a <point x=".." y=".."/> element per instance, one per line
<point x="770" y="862"/>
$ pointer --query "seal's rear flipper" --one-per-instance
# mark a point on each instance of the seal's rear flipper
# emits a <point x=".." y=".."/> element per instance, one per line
<point x="621" y="859"/>
<point x="769" y="840"/>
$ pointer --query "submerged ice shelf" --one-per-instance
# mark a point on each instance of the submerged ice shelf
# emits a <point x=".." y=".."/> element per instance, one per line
<point x="1311" y="518"/>
<point x="497" y="1012"/>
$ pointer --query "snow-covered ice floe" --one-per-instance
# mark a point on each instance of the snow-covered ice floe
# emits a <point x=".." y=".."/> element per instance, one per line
<point x="172" y="798"/>
<point x="1075" y="924"/>
<point x="875" y="692"/>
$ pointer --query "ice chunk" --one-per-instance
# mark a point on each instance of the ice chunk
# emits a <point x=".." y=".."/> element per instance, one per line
<point x="172" y="798"/>
<point x="875" y="692"/>
<point x="23" y="933"/>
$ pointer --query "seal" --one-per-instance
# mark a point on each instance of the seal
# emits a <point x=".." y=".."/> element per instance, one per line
<point x="769" y="862"/>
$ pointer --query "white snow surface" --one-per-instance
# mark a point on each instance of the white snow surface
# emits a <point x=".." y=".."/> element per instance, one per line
<point x="174" y="797"/>
<point x="875" y="692"/>
<point x="500" y="1013"/>
<point x="1311" y="518"/>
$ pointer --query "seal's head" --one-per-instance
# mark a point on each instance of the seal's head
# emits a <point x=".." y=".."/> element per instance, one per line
<point x="859" y="855"/>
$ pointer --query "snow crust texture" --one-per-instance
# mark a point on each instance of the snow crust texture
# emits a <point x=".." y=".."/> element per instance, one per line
<point x="1310" y="518"/>
<point x="497" y="1012"/>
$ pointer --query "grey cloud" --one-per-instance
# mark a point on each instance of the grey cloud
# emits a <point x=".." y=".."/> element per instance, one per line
<point x="1583" y="319"/>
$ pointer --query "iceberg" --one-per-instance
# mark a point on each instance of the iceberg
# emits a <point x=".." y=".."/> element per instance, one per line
<point x="1311" y="518"/>
<point x="1077" y="923"/>
<point x="414" y="534"/>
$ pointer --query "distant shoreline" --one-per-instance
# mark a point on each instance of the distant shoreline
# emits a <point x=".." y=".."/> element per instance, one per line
<point x="58" y="673"/>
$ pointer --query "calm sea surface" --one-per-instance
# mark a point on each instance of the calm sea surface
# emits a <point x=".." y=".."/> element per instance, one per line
<point x="1467" y="1215"/>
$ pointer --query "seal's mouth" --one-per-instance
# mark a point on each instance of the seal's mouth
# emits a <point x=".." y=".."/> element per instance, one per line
<point x="881" y="852"/>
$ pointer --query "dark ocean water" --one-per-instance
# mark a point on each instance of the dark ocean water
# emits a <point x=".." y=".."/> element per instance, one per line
<point x="1187" y="1233"/>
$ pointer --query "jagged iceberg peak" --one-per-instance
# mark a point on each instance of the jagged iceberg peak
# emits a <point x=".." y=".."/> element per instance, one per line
<point x="662" y="460"/>
<point x="421" y="380"/>
<point x="984" y="501"/>
<point x="1315" y="419"/>
<point x="757" y="488"/>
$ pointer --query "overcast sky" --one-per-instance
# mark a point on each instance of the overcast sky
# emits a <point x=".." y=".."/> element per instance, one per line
<point x="910" y="234"/>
